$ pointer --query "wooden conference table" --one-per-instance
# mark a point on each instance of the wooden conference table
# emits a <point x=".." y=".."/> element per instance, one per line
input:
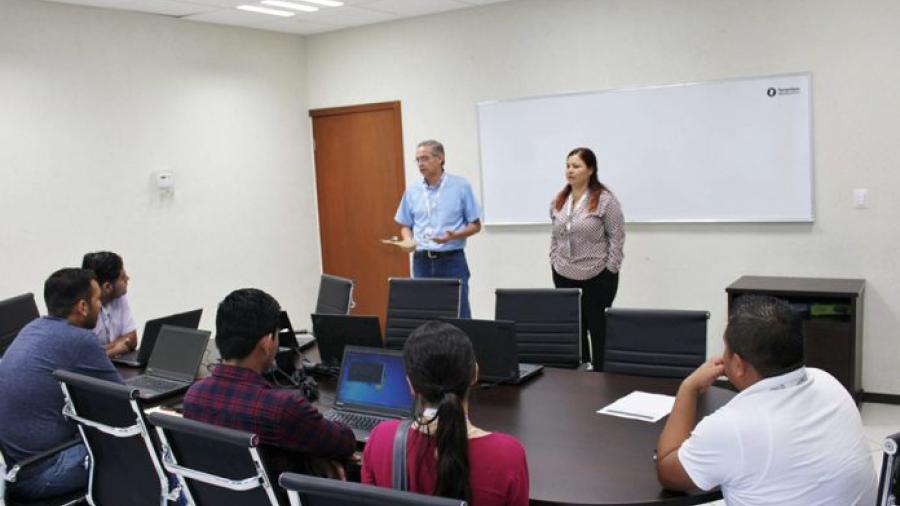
<point x="576" y="456"/>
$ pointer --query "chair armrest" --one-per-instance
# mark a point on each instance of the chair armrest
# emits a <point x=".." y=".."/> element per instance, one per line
<point x="40" y="457"/>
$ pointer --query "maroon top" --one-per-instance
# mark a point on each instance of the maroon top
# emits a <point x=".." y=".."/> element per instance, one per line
<point x="499" y="472"/>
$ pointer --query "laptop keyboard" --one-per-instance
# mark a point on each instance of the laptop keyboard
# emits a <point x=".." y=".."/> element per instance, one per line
<point x="354" y="421"/>
<point x="154" y="383"/>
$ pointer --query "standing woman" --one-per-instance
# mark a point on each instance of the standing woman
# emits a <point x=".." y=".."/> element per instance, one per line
<point x="586" y="246"/>
<point x="447" y="455"/>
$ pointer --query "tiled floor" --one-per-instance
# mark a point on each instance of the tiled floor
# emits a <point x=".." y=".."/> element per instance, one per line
<point x="879" y="421"/>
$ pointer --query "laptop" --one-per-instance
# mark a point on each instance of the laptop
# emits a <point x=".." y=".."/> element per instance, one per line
<point x="496" y="350"/>
<point x="139" y="356"/>
<point x="287" y="337"/>
<point x="173" y="364"/>
<point x="371" y="388"/>
<point x="335" y="331"/>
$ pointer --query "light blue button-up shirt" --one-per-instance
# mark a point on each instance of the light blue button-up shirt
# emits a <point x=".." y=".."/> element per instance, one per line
<point x="430" y="211"/>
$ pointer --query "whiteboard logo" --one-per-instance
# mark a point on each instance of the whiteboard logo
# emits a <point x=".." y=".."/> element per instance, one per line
<point x="772" y="91"/>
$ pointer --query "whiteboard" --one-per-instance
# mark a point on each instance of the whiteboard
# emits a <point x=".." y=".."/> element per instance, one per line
<point x="721" y="151"/>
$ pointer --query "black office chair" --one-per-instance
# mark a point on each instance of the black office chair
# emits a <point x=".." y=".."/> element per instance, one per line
<point x="312" y="491"/>
<point x="125" y="467"/>
<point x="10" y="474"/>
<point x="414" y="301"/>
<point x="889" y="483"/>
<point x="655" y="342"/>
<point x="215" y="465"/>
<point x="548" y="323"/>
<point x="15" y="313"/>
<point x="335" y="295"/>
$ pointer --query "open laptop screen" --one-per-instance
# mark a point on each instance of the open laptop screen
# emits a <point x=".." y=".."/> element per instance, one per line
<point x="374" y="380"/>
<point x="178" y="352"/>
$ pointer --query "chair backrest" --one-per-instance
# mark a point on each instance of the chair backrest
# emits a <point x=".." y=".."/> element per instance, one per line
<point x="125" y="467"/>
<point x="15" y="313"/>
<point x="414" y="301"/>
<point x="548" y="323"/>
<point x="312" y="491"/>
<point x="654" y="342"/>
<point x="335" y="295"/>
<point x="216" y="465"/>
<point x="889" y="483"/>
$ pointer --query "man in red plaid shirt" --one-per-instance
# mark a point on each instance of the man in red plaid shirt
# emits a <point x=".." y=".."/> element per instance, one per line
<point x="291" y="429"/>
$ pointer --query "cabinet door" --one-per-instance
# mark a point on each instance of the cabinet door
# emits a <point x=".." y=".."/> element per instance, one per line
<point x="828" y="346"/>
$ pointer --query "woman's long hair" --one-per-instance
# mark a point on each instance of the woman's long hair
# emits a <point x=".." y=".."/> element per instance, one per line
<point x="440" y="364"/>
<point x="594" y="185"/>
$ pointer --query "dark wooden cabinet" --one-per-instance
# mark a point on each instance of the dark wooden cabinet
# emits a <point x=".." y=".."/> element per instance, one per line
<point x="832" y="320"/>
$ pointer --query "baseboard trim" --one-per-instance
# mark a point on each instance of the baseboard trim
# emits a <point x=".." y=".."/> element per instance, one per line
<point x="881" y="398"/>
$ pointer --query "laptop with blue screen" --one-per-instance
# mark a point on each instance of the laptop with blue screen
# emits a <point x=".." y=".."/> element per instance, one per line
<point x="371" y="388"/>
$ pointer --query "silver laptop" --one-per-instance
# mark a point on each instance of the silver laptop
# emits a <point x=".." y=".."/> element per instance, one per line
<point x="371" y="388"/>
<point x="173" y="363"/>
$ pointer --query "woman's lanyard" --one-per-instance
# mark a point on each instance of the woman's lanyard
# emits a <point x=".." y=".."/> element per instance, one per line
<point x="571" y="210"/>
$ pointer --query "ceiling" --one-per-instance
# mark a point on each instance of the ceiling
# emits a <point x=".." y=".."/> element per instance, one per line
<point x="352" y="13"/>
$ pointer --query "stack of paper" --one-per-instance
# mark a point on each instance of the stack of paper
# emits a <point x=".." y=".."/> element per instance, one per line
<point x="641" y="406"/>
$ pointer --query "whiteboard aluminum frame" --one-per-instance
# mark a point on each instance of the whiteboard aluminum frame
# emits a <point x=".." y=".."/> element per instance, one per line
<point x="812" y="211"/>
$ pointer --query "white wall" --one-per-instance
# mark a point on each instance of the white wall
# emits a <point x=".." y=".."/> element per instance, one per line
<point x="441" y="66"/>
<point x="92" y="101"/>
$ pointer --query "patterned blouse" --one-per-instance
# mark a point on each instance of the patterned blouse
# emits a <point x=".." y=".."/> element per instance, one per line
<point x="585" y="242"/>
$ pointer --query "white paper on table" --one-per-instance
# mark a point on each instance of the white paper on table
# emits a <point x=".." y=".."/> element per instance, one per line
<point x="640" y="406"/>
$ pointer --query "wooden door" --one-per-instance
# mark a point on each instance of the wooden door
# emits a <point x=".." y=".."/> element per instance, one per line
<point x="359" y="180"/>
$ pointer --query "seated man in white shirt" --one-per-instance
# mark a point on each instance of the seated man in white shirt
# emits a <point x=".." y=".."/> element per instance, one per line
<point x="792" y="436"/>
<point x="115" y="328"/>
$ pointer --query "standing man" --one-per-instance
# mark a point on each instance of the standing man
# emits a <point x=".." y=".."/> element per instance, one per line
<point x="791" y="437"/>
<point x="31" y="401"/>
<point x="439" y="213"/>
<point x="115" y="328"/>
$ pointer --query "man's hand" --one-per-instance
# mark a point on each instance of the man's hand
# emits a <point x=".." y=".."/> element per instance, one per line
<point x="704" y="376"/>
<point x="328" y="468"/>
<point x="449" y="235"/>
<point x="116" y="348"/>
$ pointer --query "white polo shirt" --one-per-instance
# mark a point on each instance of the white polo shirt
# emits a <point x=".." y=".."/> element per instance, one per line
<point x="790" y="440"/>
<point x="115" y="320"/>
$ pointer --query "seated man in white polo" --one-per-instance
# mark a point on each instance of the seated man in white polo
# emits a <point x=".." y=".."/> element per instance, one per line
<point x="791" y="437"/>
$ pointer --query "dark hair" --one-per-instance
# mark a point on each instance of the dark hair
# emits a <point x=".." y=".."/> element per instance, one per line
<point x="765" y="331"/>
<point x="440" y="364"/>
<point x="243" y="318"/>
<point x="65" y="287"/>
<point x="594" y="185"/>
<point x="105" y="264"/>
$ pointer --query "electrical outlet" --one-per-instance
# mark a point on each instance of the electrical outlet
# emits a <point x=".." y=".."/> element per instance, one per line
<point x="861" y="198"/>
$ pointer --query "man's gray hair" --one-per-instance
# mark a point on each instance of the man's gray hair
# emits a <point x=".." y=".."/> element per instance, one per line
<point x="436" y="148"/>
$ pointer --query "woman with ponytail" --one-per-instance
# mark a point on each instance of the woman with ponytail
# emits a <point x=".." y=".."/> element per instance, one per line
<point x="447" y="455"/>
<point x="586" y="246"/>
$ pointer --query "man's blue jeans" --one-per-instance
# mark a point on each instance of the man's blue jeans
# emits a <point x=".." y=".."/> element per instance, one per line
<point x="63" y="474"/>
<point x="451" y="265"/>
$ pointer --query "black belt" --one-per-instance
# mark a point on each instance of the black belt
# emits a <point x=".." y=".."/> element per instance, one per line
<point x="437" y="254"/>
